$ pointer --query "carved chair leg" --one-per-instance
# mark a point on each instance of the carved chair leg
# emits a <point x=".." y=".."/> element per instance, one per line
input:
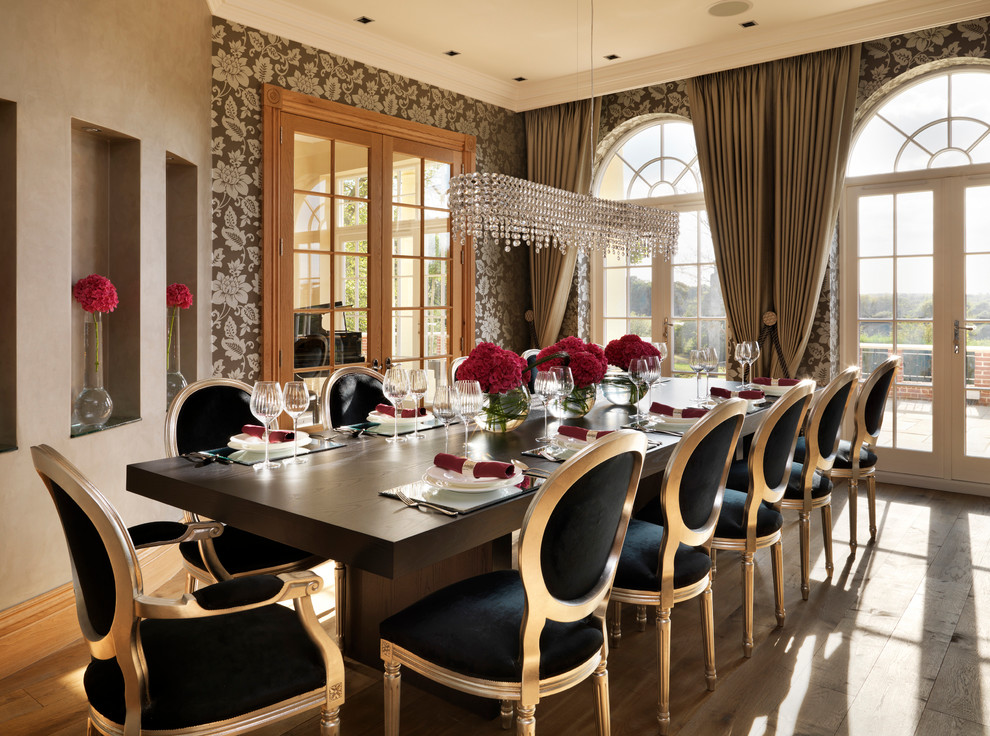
<point x="507" y="711"/>
<point x="747" y="586"/>
<point x="602" y="711"/>
<point x="871" y="493"/>
<point x="708" y="632"/>
<point x="777" y="560"/>
<point x="663" y="669"/>
<point x="853" y="502"/>
<point x="804" y="523"/>
<point x="641" y="618"/>
<point x="525" y="720"/>
<point x="330" y="722"/>
<point x="393" y="682"/>
<point x="616" y="624"/>
<point x="712" y="553"/>
<point x="827" y="537"/>
<point x="339" y="600"/>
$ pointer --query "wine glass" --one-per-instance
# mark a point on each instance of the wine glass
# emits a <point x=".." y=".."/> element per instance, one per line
<point x="444" y="409"/>
<point x="662" y="350"/>
<point x="654" y="374"/>
<point x="469" y="400"/>
<point x="696" y="362"/>
<point x="565" y="384"/>
<point x="742" y="356"/>
<point x="395" y="386"/>
<point x="545" y="388"/>
<point x="295" y="396"/>
<point x="754" y="355"/>
<point x="641" y="371"/>
<point x="418" y="386"/>
<point x="266" y="404"/>
<point x="710" y="364"/>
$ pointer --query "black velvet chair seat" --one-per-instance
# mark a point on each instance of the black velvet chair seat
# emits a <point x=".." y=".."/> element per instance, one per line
<point x="843" y="457"/>
<point x="472" y="628"/>
<point x="640" y="552"/>
<point x="242" y="552"/>
<point x="820" y="484"/>
<point x="208" y="669"/>
<point x="730" y="518"/>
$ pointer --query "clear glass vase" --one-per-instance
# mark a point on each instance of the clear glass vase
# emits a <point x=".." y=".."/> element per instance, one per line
<point x="504" y="412"/>
<point x="576" y="404"/>
<point x="174" y="380"/>
<point x="621" y="390"/>
<point x="93" y="405"/>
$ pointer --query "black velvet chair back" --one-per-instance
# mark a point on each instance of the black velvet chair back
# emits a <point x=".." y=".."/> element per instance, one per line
<point x="582" y="528"/>
<point x="703" y="473"/>
<point x="825" y="423"/>
<point x="206" y="414"/>
<point x="877" y="387"/>
<point x="780" y="444"/>
<point x="831" y="423"/>
<point x="350" y="394"/>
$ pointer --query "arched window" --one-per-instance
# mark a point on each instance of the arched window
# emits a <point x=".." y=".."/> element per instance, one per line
<point x="655" y="163"/>
<point x="915" y="259"/>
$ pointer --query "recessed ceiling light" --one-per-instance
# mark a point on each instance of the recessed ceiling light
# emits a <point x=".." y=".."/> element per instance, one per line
<point x="612" y="57"/>
<point x="452" y="53"/>
<point x="748" y="24"/>
<point x="726" y="8"/>
<point x="519" y="79"/>
<point x="89" y="129"/>
<point x="365" y="19"/>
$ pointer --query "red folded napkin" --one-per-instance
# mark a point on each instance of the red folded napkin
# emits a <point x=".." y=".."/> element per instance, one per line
<point x="484" y="469"/>
<point x="389" y="410"/>
<point x="580" y="433"/>
<point x="724" y="393"/>
<point x="777" y="381"/>
<point x="275" y="435"/>
<point x="668" y="411"/>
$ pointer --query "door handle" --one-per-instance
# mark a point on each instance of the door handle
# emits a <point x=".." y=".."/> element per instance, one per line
<point x="956" y="327"/>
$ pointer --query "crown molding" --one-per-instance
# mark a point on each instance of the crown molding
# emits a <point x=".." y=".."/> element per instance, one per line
<point x="759" y="45"/>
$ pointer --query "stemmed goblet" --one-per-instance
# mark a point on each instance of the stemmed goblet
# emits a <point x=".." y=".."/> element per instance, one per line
<point x="418" y="386"/>
<point x="444" y="409"/>
<point x="295" y="395"/>
<point x="742" y="357"/>
<point x="266" y="404"/>
<point x="710" y="364"/>
<point x="395" y="386"/>
<point x="662" y="350"/>
<point x="642" y="371"/>
<point x="545" y="388"/>
<point x="469" y="401"/>
<point x="754" y="355"/>
<point x="696" y="362"/>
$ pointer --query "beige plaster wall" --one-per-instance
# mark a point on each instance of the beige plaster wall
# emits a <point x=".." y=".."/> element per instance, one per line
<point x="141" y="68"/>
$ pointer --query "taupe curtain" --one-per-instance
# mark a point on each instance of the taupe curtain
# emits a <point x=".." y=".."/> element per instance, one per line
<point x="772" y="146"/>
<point x="559" y="153"/>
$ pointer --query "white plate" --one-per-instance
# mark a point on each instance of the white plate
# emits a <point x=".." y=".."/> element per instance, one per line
<point x="571" y="443"/>
<point x="672" y="421"/>
<point x="255" y="444"/>
<point x="451" y="481"/>
<point x="386" y="420"/>
<point x="250" y="456"/>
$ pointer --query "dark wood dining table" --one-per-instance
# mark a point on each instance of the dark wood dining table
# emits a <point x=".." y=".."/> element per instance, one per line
<point x="394" y="554"/>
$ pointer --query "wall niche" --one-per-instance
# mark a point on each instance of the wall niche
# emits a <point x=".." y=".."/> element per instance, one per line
<point x="8" y="274"/>
<point x="181" y="255"/>
<point x="106" y="239"/>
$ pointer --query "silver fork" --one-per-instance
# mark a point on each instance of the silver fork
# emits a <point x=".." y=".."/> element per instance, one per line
<point x="422" y="504"/>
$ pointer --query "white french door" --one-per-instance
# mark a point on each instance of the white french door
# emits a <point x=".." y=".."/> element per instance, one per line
<point x="916" y="282"/>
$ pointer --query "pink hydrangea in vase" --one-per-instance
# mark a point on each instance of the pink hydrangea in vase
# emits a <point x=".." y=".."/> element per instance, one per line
<point x="177" y="296"/>
<point x="93" y="405"/>
<point x="588" y="365"/>
<point x="617" y="387"/>
<point x="499" y="372"/>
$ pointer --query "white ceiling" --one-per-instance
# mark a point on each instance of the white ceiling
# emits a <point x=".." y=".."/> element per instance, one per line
<point x="551" y="44"/>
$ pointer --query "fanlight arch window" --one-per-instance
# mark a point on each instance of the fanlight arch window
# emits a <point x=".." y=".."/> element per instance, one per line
<point x="939" y="121"/>
<point x="657" y="160"/>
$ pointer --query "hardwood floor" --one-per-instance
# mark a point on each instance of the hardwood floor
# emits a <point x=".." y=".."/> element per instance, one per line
<point x="897" y="643"/>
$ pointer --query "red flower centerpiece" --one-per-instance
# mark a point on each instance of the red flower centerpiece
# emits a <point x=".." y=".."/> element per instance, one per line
<point x="588" y="365"/>
<point x="499" y="372"/>
<point x="93" y="405"/>
<point x="618" y="387"/>
<point x="177" y="296"/>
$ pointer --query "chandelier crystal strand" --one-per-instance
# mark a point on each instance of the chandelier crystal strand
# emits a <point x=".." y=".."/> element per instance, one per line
<point x="522" y="212"/>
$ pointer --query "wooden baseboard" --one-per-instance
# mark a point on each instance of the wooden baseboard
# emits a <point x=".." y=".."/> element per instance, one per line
<point x="32" y="630"/>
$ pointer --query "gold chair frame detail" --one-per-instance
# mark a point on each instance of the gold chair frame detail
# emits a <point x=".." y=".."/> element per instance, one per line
<point x="540" y="606"/>
<point x="333" y="379"/>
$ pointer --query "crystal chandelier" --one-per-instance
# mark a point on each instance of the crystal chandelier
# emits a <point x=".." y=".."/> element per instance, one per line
<point x="518" y="211"/>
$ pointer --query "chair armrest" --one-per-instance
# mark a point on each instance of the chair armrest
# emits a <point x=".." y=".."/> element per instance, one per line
<point x="231" y="596"/>
<point x="157" y="533"/>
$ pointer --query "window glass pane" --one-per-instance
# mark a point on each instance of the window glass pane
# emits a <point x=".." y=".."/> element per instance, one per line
<point x="685" y="340"/>
<point x="312" y="227"/>
<point x="350" y="337"/>
<point x="311" y="323"/>
<point x="311" y="163"/>
<point x="615" y="292"/>
<point x="876" y="149"/>
<point x="436" y="340"/>
<point x="614" y="180"/>
<point x="977" y="219"/>
<point x="351" y="173"/>
<point x="406" y="231"/>
<point x="949" y="157"/>
<point x="917" y="105"/>
<point x="313" y="285"/>
<point x="614" y="329"/>
<point x="876" y="288"/>
<point x="642" y="147"/>
<point x="685" y="291"/>
<point x="640" y="292"/>
<point x="687" y="239"/>
<point x="875" y="342"/>
<point x="914" y="343"/>
<point x="977" y="289"/>
<point x="914" y="288"/>
<point x="405" y="334"/>
<point x="912" y="157"/>
<point x="436" y="283"/>
<point x="934" y="138"/>
<point x="876" y="220"/>
<point x="437" y="234"/>
<point x="405" y="179"/>
<point x="713" y="336"/>
<point x="436" y="183"/>
<point x="706" y="249"/>
<point x="966" y="133"/>
<point x="351" y="273"/>
<point x="405" y="282"/>
<point x="352" y="220"/>
<point x="915" y="225"/>
<point x="971" y="95"/>
<point x="711" y="292"/>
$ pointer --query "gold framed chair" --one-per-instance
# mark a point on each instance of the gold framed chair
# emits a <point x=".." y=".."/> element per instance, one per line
<point x="454" y="365"/>
<point x="747" y="522"/>
<point x="522" y="635"/>
<point x="668" y="564"/>
<point x="222" y="660"/>
<point x="854" y="465"/>
<point x="349" y="395"/>
<point x="809" y="487"/>
<point x="204" y="415"/>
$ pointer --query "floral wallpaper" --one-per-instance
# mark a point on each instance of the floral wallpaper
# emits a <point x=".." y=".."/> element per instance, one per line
<point x="244" y="59"/>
